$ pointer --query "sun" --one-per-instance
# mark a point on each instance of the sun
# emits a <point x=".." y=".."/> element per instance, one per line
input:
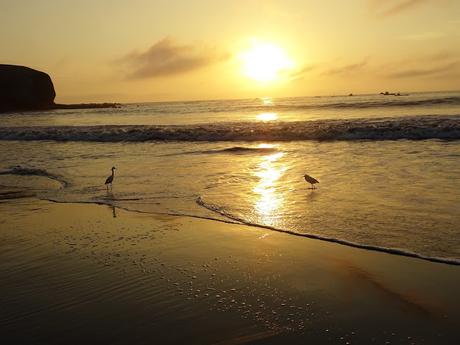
<point x="265" y="62"/>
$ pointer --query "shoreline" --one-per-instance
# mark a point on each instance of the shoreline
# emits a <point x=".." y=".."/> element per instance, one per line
<point x="87" y="106"/>
<point x="237" y="221"/>
<point x="387" y="250"/>
<point x="113" y="271"/>
<point x="57" y="106"/>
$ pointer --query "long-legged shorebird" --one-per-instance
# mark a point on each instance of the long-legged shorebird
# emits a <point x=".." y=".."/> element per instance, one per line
<point x="109" y="179"/>
<point x="311" y="180"/>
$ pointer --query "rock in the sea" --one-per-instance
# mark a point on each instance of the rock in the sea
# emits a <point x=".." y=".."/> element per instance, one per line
<point x="23" y="88"/>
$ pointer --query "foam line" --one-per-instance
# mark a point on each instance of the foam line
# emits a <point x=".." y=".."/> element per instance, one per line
<point x="394" y="251"/>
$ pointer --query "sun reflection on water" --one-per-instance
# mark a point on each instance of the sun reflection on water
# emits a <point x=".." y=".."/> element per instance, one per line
<point x="266" y="101"/>
<point x="267" y="116"/>
<point x="268" y="199"/>
<point x="266" y="146"/>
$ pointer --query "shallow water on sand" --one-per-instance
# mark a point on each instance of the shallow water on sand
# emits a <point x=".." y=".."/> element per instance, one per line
<point x="388" y="166"/>
<point x="386" y="194"/>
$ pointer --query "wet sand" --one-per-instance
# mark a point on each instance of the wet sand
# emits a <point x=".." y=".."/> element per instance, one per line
<point x="90" y="274"/>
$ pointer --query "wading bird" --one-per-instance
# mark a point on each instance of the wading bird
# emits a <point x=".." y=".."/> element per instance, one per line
<point x="311" y="180"/>
<point x="109" y="180"/>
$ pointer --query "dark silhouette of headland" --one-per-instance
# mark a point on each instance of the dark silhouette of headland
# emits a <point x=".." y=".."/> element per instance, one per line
<point x="25" y="89"/>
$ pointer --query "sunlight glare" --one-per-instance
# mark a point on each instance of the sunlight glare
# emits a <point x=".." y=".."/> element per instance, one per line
<point x="268" y="172"/>
<point x="266" y="146"/>
<point x="267" y="101"/>
<point x="267" y="116"/>
<point x="264" y="62"/>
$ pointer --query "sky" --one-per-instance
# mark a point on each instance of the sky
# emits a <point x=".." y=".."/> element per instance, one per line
<point x="158" y="50"/>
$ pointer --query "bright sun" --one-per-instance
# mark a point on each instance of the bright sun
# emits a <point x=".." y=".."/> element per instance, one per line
<point x="264" y="62"/>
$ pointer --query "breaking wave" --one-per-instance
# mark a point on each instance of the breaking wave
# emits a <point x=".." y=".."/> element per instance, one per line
<point x="239" y="150"/>
<point x="396" y="251"/>
<point x="410" y="128"/>
<point x="24" y="171"/>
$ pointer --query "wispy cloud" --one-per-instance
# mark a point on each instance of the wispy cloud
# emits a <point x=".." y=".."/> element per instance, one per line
<point x="400" y="6"/>
<point x="346" y="69"/>
<point x="437" y="57"/>
<point x="424" y="36"/>
<point x="393" y="7"/>
<point x="437" y="64"/>
<point x="299" y="73"/>
<point x="167" y="57"/>
<point x="426" y="71"/>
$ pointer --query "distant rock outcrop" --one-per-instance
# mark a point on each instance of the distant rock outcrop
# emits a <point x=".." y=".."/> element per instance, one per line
<point x="23" y="88"/>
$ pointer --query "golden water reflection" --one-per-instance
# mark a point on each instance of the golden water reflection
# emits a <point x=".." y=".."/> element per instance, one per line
<point x="266" y="101"/>
<point x="267" y="116"/>
<point x="268" y="199"/>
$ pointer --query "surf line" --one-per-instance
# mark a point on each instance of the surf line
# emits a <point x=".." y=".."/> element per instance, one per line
<point x="127" y="209"/>
<point x="394" y="251"/>
<point x="24" y="171"/>
<point x="238" y="221"/>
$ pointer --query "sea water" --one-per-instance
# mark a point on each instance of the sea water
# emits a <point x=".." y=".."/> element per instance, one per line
<point x="388" y="166"/>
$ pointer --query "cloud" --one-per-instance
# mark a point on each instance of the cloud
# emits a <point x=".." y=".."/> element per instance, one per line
<point x="442" y="56"/>
<point x="390" y="8"/>
<point x="351" y="68"/>
<point x="298" y="74"/>
<point x="436" y="64"/>
<point x="424" y="36"/>
<point x="166" y="57"/>
<point x="426" y="71"/>
<point x="401" y="6"/>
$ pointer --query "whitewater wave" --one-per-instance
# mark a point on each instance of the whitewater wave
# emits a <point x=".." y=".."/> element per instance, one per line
<point x="24" y="171"/>
<point x="232" y="150"/>
<point x="396" y="251"/>
<point x="410" y="128"/>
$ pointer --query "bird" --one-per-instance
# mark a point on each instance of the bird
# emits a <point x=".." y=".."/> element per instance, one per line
<point x="311" y="180"/>
<point x="109" y="179"/>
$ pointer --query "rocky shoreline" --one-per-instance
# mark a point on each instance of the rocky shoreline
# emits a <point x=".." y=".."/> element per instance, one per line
<point x="86" y="106"/>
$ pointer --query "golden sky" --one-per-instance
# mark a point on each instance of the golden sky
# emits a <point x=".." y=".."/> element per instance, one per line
<point x="153" y="50"/>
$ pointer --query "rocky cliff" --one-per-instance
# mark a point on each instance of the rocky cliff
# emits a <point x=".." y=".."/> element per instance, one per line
<point x="23" y="88"/>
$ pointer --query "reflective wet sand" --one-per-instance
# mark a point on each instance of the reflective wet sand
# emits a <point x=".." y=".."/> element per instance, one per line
<point x="75" y="273"/>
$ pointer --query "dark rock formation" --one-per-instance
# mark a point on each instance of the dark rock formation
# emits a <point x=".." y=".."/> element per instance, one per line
<point x="23" y="88"/>
<point x="87" y="105"/>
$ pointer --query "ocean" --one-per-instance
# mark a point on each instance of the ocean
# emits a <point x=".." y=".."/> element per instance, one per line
<point x="388" y="166"/>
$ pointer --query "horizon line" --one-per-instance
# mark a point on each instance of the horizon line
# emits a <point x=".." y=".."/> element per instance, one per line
<point x="261" y="97"/>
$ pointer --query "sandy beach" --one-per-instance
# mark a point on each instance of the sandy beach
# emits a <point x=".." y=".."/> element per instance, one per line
<point x="229" y="172"/>
<point x="92" y="274"/>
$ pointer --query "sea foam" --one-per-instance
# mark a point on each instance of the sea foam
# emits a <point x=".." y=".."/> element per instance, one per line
<point x="410" y="128"/>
